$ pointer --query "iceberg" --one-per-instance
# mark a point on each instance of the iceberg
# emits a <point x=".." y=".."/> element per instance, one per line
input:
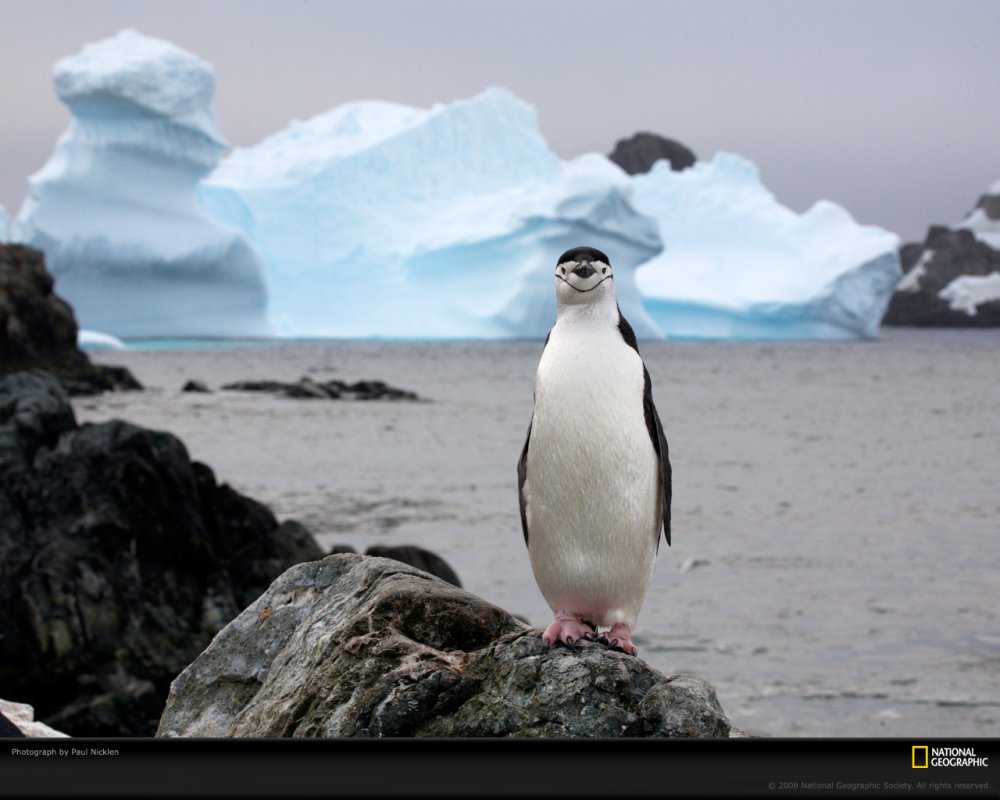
<point x="736" y="264"/>
<point x="382" y="220"/>
<point x="115" y="210"/>
<point x="377" y="219"/>
<point x="96" y="340"/>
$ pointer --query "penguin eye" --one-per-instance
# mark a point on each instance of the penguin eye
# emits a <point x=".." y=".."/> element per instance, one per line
<point x="562" y="270"/>
<point x="604" y="271"/>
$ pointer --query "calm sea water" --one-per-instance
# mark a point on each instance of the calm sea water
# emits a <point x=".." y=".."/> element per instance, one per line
<point x="836" y="559"/>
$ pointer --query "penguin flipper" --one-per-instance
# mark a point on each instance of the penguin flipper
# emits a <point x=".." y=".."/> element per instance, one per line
<point x="522" y="477"/>
<point x="659" y="441"/>
<point x="654" y="427"/>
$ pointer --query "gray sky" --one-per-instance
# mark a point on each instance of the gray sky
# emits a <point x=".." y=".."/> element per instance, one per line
<point x="889" y="107"/>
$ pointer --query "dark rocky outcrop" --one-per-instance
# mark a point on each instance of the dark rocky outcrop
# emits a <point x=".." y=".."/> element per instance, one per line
<point x="308" y="389"/>
<point x="418" y="557"/>
<point x="195" y="386"/>
<point x="368" y="647"/>
<point x="638" y="154"/>
<point x="120" y="558"/>
<point x="944" y="255"/>
<point x="38" y="329"/>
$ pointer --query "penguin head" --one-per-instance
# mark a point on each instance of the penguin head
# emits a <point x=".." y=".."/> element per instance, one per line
<point x="583" y="276"/>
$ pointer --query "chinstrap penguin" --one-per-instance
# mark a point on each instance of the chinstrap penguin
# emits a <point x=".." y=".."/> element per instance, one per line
<point x="594" y="476"/>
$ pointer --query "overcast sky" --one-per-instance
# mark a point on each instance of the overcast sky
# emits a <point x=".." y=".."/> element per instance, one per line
<point x="888" y="107"/>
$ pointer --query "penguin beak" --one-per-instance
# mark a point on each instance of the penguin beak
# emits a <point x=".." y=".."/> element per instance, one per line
<point x="584" y="271"/>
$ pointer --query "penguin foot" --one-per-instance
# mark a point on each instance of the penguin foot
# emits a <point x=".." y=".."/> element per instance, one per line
<point x="567" y="628"/>
<point x="619" y="638"/>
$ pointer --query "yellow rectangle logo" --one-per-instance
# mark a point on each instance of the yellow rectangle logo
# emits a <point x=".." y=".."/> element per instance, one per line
<point x="920" y="756"/>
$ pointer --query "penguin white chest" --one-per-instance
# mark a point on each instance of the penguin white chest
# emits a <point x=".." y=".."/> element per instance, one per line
<point x="592" y="500"/>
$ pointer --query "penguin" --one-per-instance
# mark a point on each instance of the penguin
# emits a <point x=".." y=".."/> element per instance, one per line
<point x="594" y="477"/>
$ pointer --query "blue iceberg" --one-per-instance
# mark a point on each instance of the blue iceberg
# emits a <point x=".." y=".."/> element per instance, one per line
<point x="382" y="220"/>
<point x="377" y="219"/>
<point x="738" y="265"/>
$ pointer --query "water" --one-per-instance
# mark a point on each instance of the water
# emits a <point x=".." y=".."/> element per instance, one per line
<point x="836" y="560"/>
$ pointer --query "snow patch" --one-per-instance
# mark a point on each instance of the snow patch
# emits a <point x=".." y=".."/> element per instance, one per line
<point x="910" y="282"/>
<point x="983" y="228"/>
<point x="967" y="292"/>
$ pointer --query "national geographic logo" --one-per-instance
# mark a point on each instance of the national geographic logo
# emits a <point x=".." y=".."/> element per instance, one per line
<point x="923" y="756"/>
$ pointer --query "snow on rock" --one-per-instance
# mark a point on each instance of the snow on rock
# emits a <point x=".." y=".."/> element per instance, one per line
<point x="738" y="265"/>
<point x="984" y="219"/>
<point x="968" y="292"/>
<point x="115" y="209"/>
<point x="911" y="281"/>
<point x="383" y="220"/>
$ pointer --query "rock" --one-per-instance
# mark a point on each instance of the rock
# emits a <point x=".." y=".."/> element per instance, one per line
<point x="926" y="295"/>
<point x="417" y="557"/>
<point x="21" y="717"/>
<point x="38" y="329"/>
<point x="638" y="154"/>
<point x="368" y="647"/>
<point x="195" y="386"/>
<point x="120" y="558"/>
<point x="34" y="413"/>
<point x="307" y="388"/>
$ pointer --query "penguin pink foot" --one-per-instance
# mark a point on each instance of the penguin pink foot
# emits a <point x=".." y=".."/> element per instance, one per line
<point x="568" y="629"/>
<point x="619" y="638"/>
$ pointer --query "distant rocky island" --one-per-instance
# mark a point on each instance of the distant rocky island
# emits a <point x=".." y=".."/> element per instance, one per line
<point x="952" y="278"/>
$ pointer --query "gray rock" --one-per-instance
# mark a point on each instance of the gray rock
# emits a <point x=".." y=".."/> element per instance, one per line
<point x="21" y="717"/>
<point x="358" y="646"/>
<point x="308" y="389"/>
<point x="196" y="386"/>
<point x="411" y="554"/>
<point x="638" y="154"/>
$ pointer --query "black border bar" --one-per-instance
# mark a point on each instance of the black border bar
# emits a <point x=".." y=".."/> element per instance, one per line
<point x="775" y="768"/>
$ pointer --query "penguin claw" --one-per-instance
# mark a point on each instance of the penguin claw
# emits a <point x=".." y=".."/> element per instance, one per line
<point x="621" y="643"/>
<point x="567" y="629"/>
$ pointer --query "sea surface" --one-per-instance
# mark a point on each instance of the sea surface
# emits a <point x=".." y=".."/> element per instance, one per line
<point x="836" y="561"/>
